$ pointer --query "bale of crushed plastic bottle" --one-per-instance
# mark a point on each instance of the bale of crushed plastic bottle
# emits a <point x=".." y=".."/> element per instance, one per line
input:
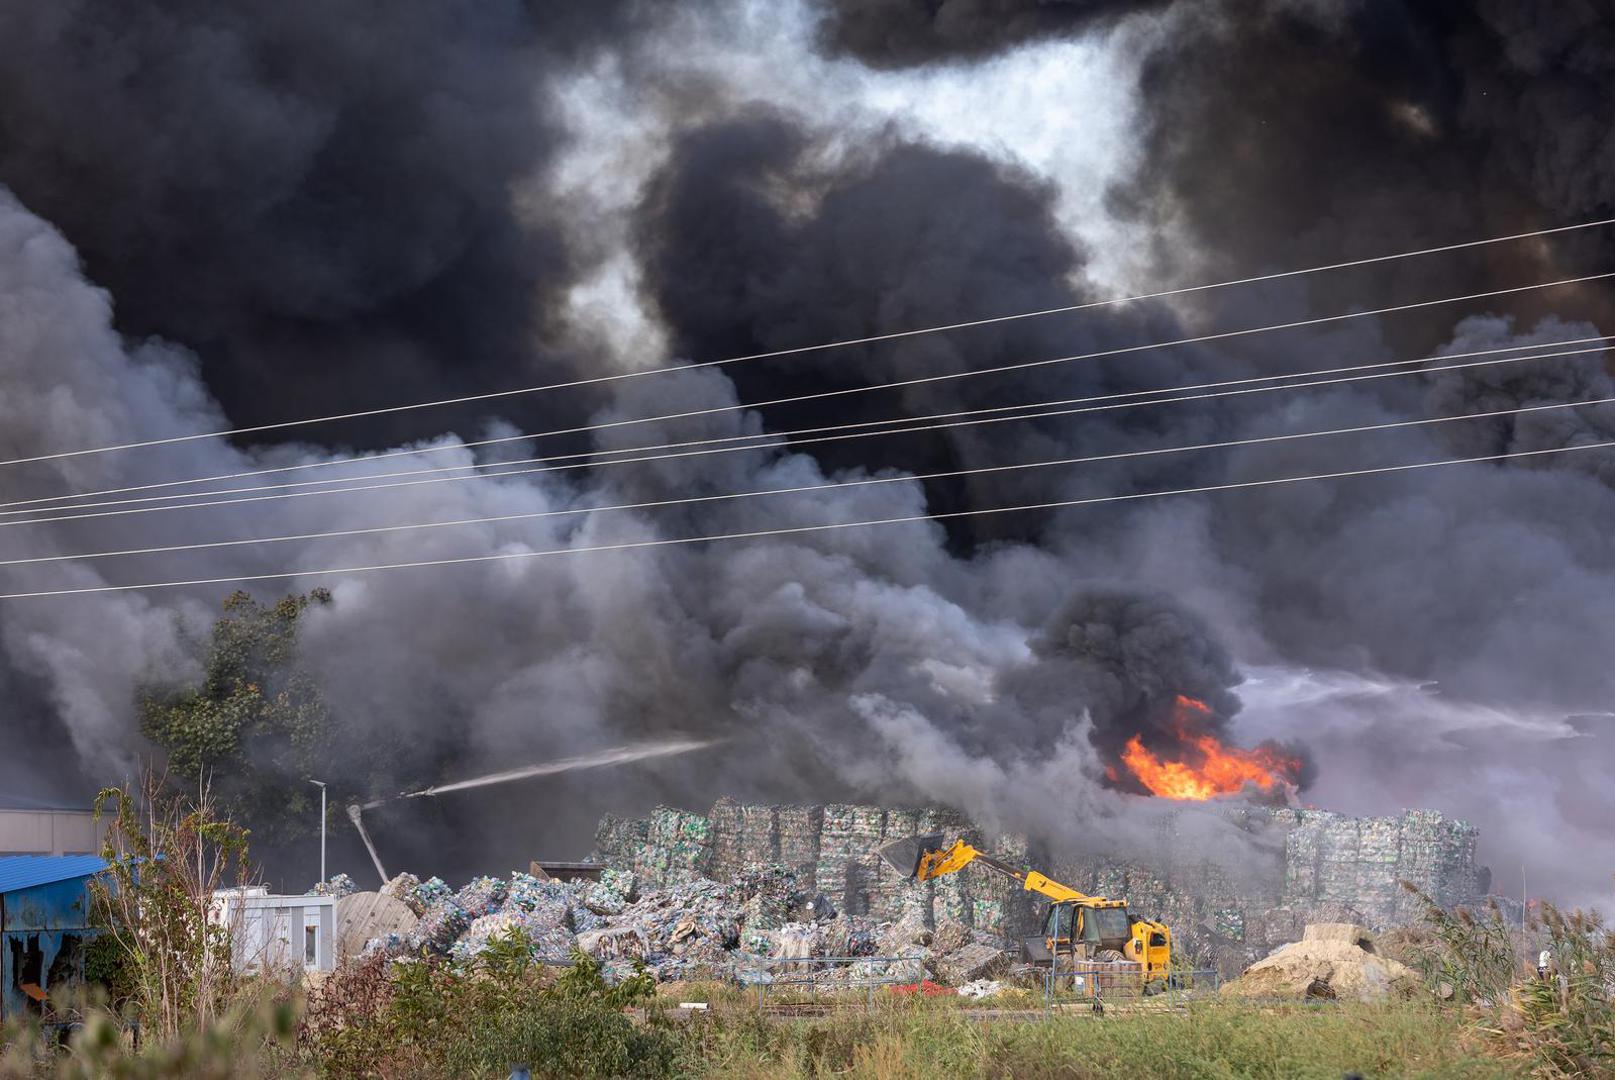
<point x="482" y="896"/>
<point x="441" y="926"/>
<point x="615" y="943"/>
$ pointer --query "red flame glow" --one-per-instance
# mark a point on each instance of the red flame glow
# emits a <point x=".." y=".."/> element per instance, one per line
<point x="1207" y="767"/>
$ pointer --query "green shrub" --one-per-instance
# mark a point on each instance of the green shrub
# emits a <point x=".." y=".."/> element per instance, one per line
<point x="429" y="1017"/>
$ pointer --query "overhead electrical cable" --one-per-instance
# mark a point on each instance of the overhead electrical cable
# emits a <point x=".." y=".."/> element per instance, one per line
<point x="820" y="395"/>
<point x="842" y="343"/>
<point x="806" y="488"/>
<point x="773" y="444"/>
<point x="767" y="439"/>
<point x="798" y="530"/>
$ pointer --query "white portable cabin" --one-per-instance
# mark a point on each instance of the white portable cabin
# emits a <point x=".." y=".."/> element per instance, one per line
<point x="278" y="933"/>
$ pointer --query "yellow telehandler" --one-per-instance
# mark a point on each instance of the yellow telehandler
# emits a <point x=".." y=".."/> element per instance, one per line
<point x="1077" y="926"/>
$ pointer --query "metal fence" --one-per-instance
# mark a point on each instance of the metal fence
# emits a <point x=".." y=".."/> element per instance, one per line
<point x="1097" y="982"/>
<point x="812" y="977"/>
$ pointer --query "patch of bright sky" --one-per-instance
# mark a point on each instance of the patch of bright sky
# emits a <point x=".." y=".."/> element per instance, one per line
<point x="1061" y="110"/>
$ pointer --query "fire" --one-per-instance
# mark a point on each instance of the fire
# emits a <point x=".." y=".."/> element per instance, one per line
<point x="1208" y="767"/>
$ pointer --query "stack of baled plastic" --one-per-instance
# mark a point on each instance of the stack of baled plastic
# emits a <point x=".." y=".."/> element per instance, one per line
<point x="339" y="886"/>
<point x="440" y="927"/>
<point x="403" y="887"/>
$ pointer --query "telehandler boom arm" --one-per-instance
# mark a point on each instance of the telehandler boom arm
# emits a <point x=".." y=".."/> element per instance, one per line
<point x="1107" y="930"/>
<point x="931" y="861"/>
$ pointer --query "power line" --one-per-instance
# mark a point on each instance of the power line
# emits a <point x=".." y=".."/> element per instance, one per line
<point x="758" y="534"/>
<point x="761" y="445"/>
<point x="805" y="488"/>
<point x="842" y="343"/>
<point x="797" y="399"/>
<point x="30" y="506"/>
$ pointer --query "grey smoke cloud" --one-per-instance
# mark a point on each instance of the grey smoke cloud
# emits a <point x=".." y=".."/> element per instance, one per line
<point x="1530" y="775"/>
<point x="992" y="663"/>
<point x="317" y="198"/>
<point x="769" y="645"/>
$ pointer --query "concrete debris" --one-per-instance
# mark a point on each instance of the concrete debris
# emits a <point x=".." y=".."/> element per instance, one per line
<point x="1332" y="960"/>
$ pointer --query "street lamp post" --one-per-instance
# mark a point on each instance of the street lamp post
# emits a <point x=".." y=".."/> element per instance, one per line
<point x="321" y="784"/>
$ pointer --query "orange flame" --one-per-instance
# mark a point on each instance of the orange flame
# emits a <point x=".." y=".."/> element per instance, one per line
<point x="1219" y="770"/>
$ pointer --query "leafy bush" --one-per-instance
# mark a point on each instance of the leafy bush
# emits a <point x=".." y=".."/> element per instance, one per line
<point x="165" y="858"/>
<point x="428" y="1017"/>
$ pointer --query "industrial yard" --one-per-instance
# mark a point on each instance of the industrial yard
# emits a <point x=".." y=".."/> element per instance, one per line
<point x="685" y="946"/>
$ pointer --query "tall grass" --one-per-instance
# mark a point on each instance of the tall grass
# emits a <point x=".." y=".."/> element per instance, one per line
<point x="1210" y="1040"/>
<point x="446" y="1027"/>
<point x="1563" y="1024"/>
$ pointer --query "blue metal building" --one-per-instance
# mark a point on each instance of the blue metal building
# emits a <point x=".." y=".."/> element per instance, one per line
<point x="44" y="923"/>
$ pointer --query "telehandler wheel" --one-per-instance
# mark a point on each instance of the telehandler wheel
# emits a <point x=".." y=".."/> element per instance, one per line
<point x="1109" y="956"/>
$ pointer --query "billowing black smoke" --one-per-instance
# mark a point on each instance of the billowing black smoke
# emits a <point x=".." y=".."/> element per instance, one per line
<point x="322" y="199"/>
<point x="899" y="33"/>
<point x="902" y="236"/>
<point x="1134" y="654"/>
<point x="1284" y="134"/>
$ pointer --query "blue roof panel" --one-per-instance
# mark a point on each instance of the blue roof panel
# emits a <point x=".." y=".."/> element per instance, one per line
<point x="27" y="871"/>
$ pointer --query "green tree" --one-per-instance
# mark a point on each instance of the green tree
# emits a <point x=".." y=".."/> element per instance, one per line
<point x="256" y="724"/>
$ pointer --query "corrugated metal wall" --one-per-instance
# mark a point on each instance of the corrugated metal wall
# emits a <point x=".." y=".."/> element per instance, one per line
<point x="43" y="931"/>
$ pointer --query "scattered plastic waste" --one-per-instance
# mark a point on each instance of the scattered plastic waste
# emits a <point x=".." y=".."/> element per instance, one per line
<point x="925" y="988"/>
<point x="981" y="988"/>
<point x="339" y="886"/>
<point x="758" y="922"/>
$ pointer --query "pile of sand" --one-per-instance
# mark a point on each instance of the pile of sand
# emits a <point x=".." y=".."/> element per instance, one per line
<point x="1332" y="960"/>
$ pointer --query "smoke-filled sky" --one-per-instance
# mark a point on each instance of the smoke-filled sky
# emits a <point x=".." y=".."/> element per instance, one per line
<point x="217" y="216"/>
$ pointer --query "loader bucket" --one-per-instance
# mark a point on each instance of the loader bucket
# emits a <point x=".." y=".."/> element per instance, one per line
<point x="904" y="855"/>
